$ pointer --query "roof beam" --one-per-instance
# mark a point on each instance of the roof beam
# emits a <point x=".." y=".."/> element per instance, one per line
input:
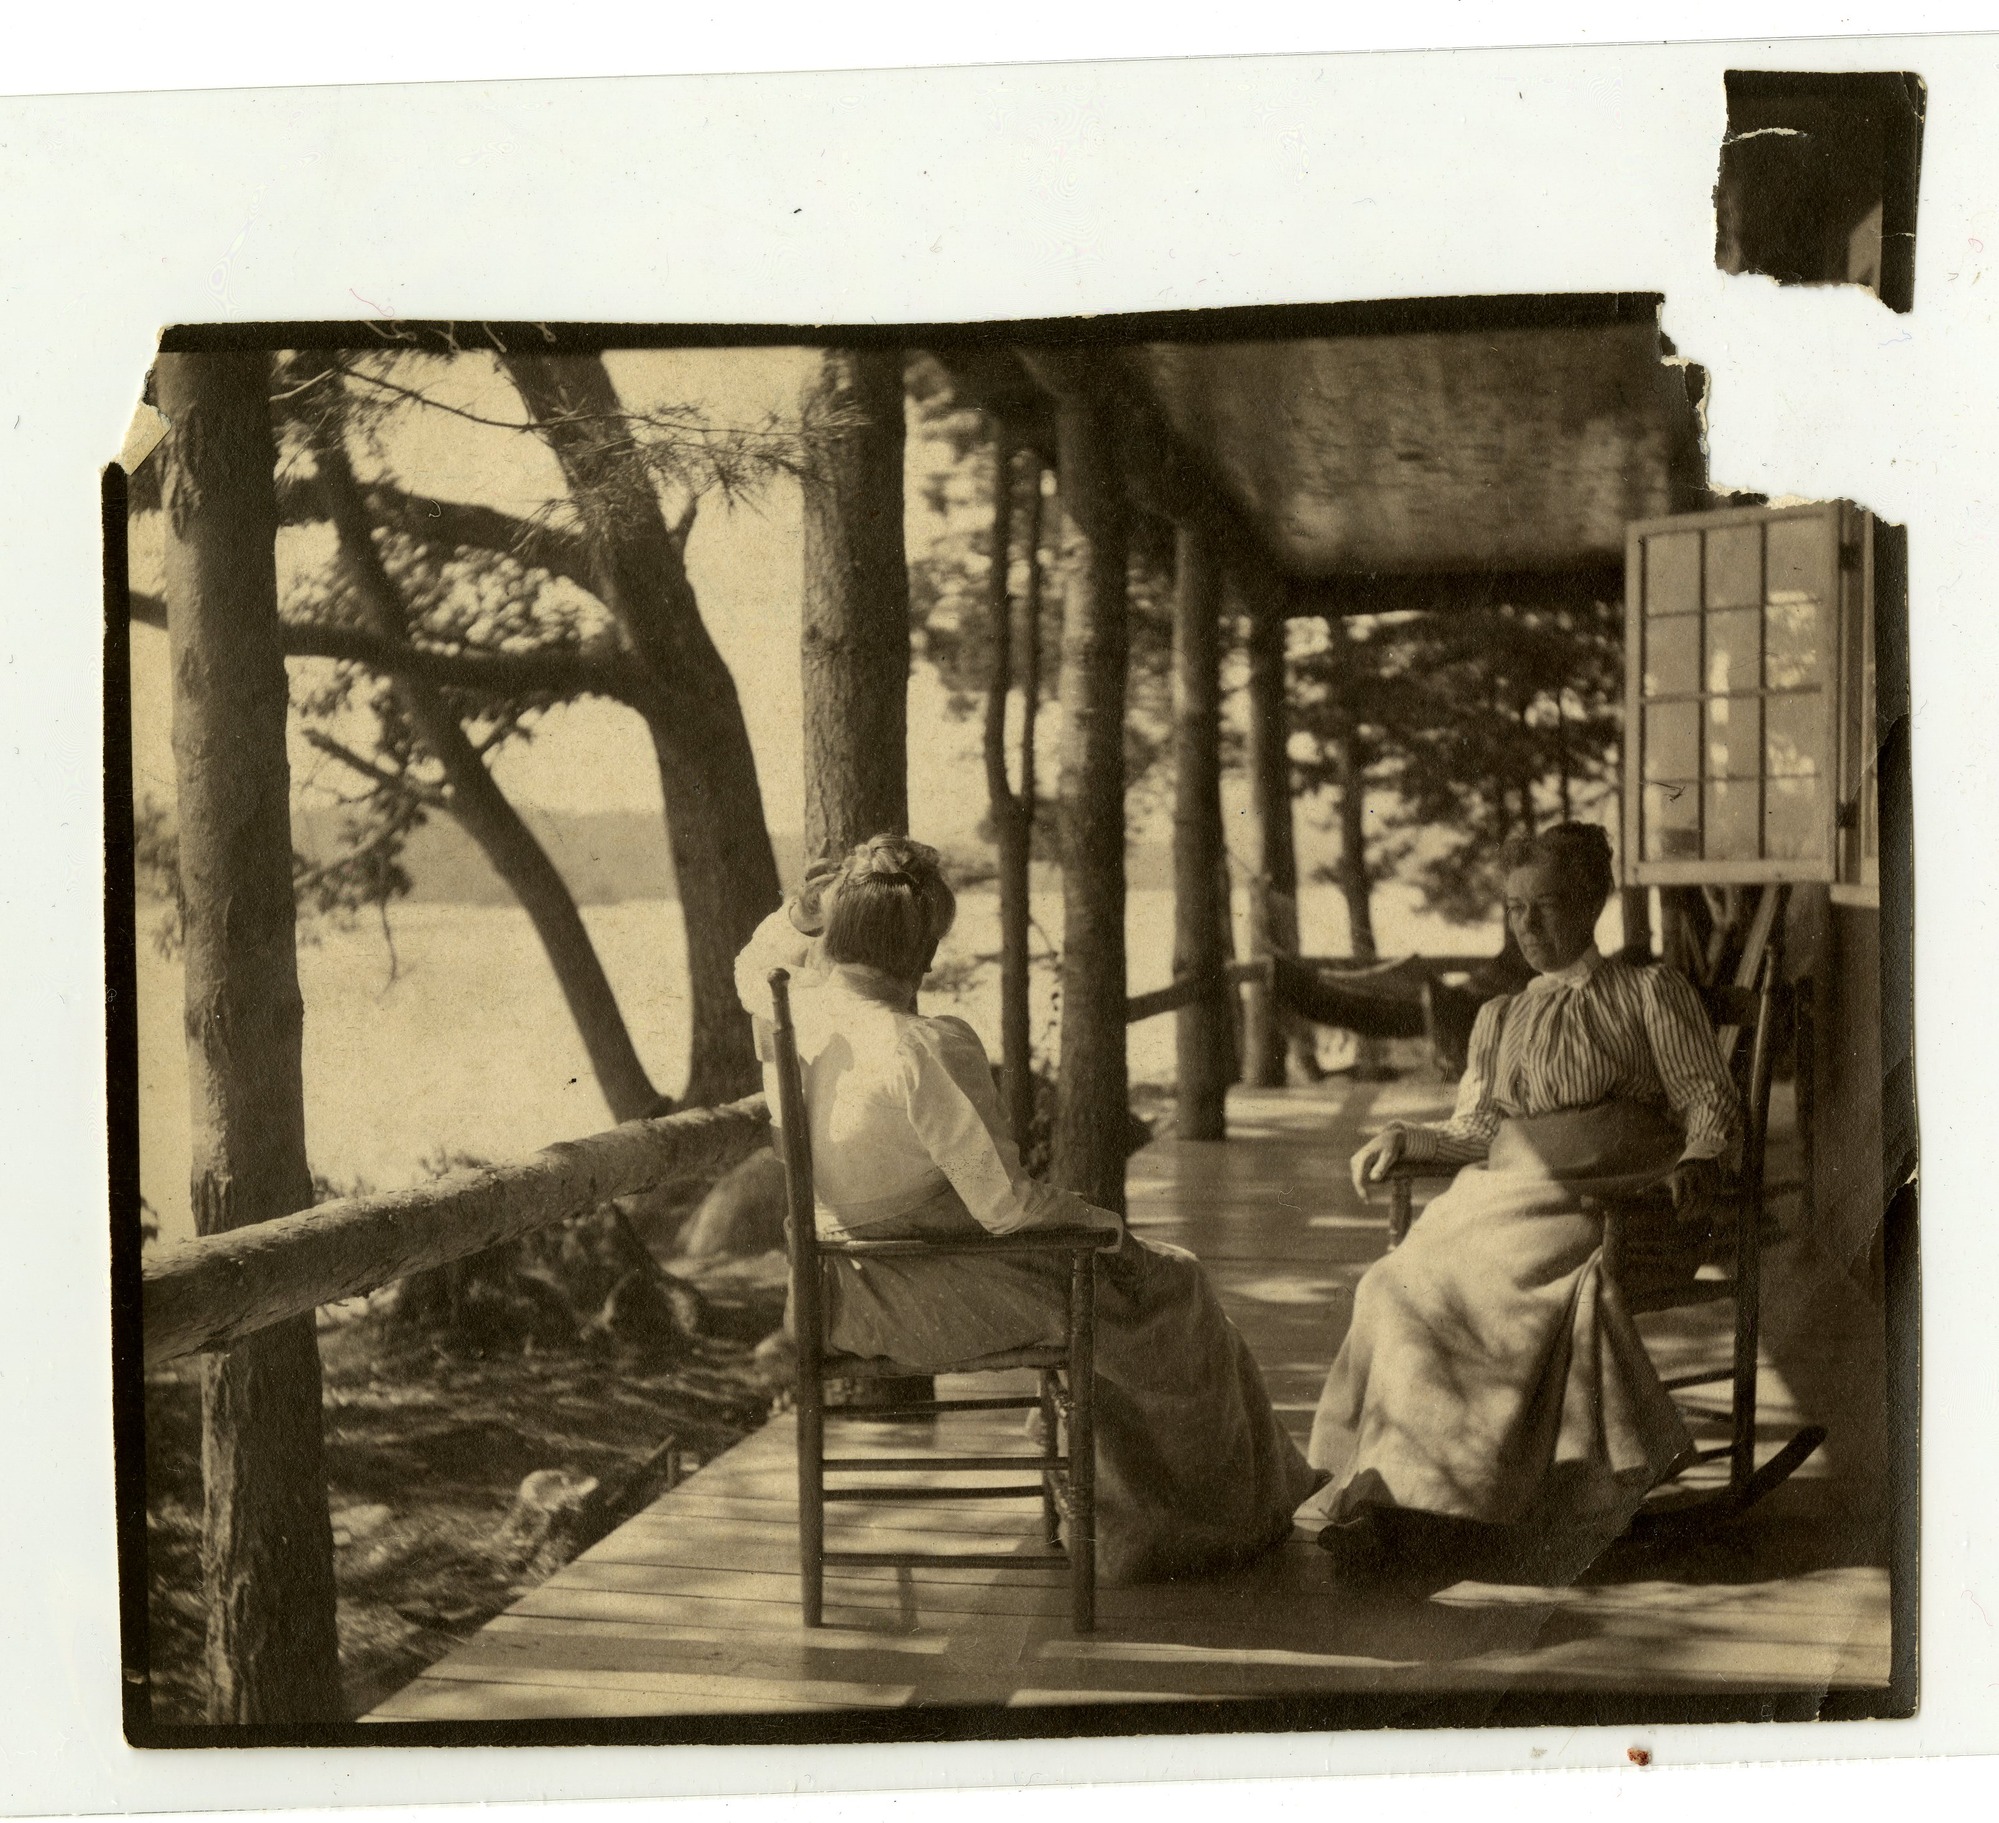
<point x="1374" y="593"/>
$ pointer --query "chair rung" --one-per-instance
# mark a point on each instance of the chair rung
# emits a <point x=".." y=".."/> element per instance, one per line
<point x="1716" y="1454"/>
<point x="963" y="1560"/>
<point x="929" y="1408"/>
<point x="867" y="1465"/>
<point x="1013" y="1360"/>
<point x="1710" y="1378"/>
<point x="1030" y="1490"/>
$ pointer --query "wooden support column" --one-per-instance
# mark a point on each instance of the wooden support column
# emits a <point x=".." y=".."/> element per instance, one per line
<point x="1092" y="1099"/>
<point x="1273" y="854"/>
<point x="1203" y="1041"/>
<point x="855" y="637"/>
<point x="267" y="1542"/>
<point x="1013" y="811"/>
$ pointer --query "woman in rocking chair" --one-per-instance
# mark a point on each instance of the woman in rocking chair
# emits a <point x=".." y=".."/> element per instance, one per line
<point x="1492" y="1400"/>
<point x="1194" y="1474"/>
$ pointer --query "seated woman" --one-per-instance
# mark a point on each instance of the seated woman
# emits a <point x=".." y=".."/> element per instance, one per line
<point x="1194" y="1474"/>
<point x="1492" y="1394"/>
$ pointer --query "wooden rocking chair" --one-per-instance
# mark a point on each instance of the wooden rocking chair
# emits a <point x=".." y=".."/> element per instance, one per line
<point x="1064" y="1477"/>
<point x="1656" y="1261"/>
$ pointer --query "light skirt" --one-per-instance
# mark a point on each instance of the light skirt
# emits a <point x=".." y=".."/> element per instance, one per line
<point x="1491" y="1372"/>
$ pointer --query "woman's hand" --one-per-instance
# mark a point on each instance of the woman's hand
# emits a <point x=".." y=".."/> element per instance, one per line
<point x="808" y="915"/>
<point x="1377" y="1158"/>
<point x="1695" y="1185"/>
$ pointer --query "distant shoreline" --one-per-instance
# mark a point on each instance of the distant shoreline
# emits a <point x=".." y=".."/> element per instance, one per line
<point x="609" y="857"/>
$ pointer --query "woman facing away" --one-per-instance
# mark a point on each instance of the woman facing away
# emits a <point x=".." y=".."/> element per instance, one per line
<point x="1194" y="1474"/>
<point x="1492" y="1394"/>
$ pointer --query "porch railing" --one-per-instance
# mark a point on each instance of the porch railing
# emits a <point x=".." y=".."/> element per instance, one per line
<point x="211" y="1292"/>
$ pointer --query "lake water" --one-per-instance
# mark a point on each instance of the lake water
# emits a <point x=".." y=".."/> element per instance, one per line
<point x="469" y="1048"/>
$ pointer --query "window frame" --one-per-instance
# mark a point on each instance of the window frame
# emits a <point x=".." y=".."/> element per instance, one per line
<point x="1845" y="763"/>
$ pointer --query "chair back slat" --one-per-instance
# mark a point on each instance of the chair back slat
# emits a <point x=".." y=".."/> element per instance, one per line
<point x="1756" y="1099"/>
<point x="1756" y="1013"/>
<point x="795" y="1148"/>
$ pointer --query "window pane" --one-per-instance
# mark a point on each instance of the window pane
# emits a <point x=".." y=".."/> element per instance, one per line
<point x="1735" y="567"/>
<point x="1731" y="820"/>
<point x="1734" y="737"/>
<point x="1797" y="644"/>
<point x="1673" y="656"/>
<point x="1799" y="553"/>
<point x="1794" y="818"/>
<point x="1673" y="741"/>
<point x="1672" y="822"/>
<point x="1794" y="736"/>
<point x="1673" y="573"/>
<point x="1734" y="656"/>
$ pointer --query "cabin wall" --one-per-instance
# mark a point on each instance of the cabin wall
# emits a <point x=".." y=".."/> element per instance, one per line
<point x="1841" y="958"/>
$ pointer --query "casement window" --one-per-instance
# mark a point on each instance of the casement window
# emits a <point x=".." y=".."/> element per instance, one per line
<point x="1750" y="706"/>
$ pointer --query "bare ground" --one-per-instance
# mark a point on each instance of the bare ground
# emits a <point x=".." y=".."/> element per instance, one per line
<point x="425" y="1450"/>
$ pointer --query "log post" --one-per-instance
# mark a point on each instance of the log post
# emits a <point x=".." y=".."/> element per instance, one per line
<point x="267" y="1541"/>
<point x="1203" y="1041"/>
<point x="1010" y="812"/>
<point x="1273" y="855"/>
<point x="1092" y="1101"/>
<point x="854" y="641"/>
<point x="855" y="637"/>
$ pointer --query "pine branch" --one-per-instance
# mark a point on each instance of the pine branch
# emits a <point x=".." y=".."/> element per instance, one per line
<point x="451" y="524"/>
<point x="494" y="675"/>
<point x="399" y="782"/>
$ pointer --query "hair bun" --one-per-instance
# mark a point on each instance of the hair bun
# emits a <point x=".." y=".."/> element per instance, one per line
<point x="894" y="858"/>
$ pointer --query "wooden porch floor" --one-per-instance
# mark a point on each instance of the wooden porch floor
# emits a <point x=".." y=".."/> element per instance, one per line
<point x="692" y="1607"/>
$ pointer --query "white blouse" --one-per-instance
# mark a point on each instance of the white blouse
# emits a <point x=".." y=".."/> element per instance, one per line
<point x="1598" y="1030"/>
<point x="902" y="1107"/>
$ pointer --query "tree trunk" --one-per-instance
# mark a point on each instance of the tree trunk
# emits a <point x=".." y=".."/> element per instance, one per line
<point x="1356" y="884"/>
<point x="1225" y="940"/>
<point x="273" y="1651"/>
<point x="482" y="809"/>
<point x="855" y="638"/>
<point x="1009" y="809"/>
<point x="1201" y="1036"/>
<point x="1093" y="1100"/>
<point x="723" y="867"/>
<point x="1017" y="881"/>
<point x="1273" y="855"/>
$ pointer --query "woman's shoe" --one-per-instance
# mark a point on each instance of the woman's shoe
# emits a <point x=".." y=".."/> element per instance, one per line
<point x="1356" y="1548"/>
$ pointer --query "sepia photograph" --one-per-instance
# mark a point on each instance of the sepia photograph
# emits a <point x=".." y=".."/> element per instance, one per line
<point x="1137" y="1023"/>
<point x="1001" y="925"/>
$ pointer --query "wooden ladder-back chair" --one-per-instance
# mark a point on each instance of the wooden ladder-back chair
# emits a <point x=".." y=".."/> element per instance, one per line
<point x="1656" y="1260"/>
<point x="1064" y="1470"/>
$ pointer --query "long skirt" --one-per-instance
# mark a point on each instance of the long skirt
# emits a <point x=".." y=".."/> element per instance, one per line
<point x="1194" y="1474"/>
<point x="1491" y="1372"/>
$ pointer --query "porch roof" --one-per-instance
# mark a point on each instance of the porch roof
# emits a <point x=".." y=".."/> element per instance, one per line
<point x="1370" y="453"/>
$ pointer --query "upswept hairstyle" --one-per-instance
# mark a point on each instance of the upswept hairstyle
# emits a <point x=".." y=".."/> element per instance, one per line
<point x="889" y="907"/>
<point x="1580" y="852"/>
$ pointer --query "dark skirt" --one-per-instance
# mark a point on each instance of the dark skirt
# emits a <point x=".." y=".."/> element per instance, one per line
<point x="1194" y="1474"/>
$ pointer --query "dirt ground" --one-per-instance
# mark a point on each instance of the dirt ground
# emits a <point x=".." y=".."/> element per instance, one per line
<point x="425" y="1450"/>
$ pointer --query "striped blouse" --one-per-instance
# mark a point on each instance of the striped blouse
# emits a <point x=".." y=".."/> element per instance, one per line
<point x="1598" y="1030"/>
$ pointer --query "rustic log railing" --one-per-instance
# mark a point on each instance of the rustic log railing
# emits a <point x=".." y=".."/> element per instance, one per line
<point x="1259" y="970"/>
<point x="210" y="1293"/>
<point x="1190" y="988"/>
